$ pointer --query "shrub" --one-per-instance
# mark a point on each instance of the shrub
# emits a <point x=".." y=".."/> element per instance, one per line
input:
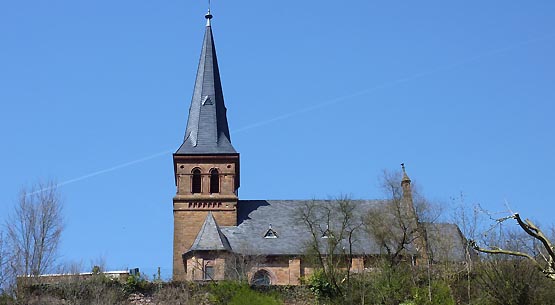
<point x="236" y="293"/>
<point x="320" y="285"/>
<point x="391" y="284"/>
<point x="180" y="293"/>
<point x="247" y="296"/>
<point x="5" y="299"/>
<point x="137" y="283"/>
<point x="441" y="295"/>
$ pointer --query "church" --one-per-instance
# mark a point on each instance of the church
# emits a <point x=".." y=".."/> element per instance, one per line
<point x="218" y="236"/>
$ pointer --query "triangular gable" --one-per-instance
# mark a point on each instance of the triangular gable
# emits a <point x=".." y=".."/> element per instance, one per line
<point x="210" y="238"/>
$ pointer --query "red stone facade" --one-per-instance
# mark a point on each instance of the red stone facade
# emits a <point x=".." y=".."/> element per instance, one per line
<point x="282" y="270"/>
<point x="190" y="209"/>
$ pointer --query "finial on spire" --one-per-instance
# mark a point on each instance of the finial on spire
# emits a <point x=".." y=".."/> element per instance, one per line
<point x="405" y="176"/>
<point x="208" y="16"/>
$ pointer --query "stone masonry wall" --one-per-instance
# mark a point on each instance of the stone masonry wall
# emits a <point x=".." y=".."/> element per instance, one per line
<point x="186" y="227"/>
<point x="190" y="210"/>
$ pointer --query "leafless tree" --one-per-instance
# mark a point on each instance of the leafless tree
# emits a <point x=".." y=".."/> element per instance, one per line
<point x="241" y="264"/>
<point x="33" y="231"/>
<point x="467" y="217"/>
<point x="400" y="224"/>
<point x="3" y="262"/>
<point x="332" y="225"/>
<point x="541" y="253"/>
<point x="396" y="224"/>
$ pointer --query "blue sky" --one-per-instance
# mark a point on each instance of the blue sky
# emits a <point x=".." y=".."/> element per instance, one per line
<point x="321" y="97"/>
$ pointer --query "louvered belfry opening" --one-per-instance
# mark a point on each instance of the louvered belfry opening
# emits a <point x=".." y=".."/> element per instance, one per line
<point x="196" y="183"/>
<point x="214" y="181"/>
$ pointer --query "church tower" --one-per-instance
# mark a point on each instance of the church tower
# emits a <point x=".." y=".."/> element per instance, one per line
<point x="206" y="165"/>
<point x="419" y="230"/>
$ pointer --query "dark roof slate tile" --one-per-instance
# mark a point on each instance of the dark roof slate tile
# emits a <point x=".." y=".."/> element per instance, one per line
<point x="210" y="238"/>
<point x="207" y="128"/>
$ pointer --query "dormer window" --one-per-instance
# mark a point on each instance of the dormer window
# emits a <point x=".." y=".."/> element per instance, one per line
<point x="327" y="233"/>
<point x="214" y="181"/>
<point x="270" y="233"/>
<point x="206" y="101"/>
<point x="196" y="182"/>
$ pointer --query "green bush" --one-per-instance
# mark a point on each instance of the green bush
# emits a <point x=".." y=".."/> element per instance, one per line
<point x="391" y="284"/>
<point x="236" y="293"/>
<point x="246" y="296"/>
<point x="137" y="283"/>
<point x="5" y="299"/>
<point x="441" y="295"/>
<point x="320" y="285"/>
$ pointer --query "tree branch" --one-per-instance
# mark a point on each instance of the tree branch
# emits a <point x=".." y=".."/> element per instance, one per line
<point x="535" y="232"/>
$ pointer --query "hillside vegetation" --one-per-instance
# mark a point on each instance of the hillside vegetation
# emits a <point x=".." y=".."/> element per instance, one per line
<point x="493" y="282"/>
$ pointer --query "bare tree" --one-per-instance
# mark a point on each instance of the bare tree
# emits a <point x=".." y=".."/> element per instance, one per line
<point x="543" y="258"/>
<point x="467" y="219"/>
<point x="240" y="265"/>
<point x="506" y="281"/>
<point x="401" y="224"/>
<point x="396" y="225"/>
<point x="33" y="231"/>
<point x="3" y="262"/>
<point x="332" y="225"/>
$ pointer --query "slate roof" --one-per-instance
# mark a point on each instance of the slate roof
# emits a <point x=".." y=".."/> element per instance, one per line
<point x="446" y="242"/>
<point x="207" y="129"/>
<point x="256" y="216"/>
<point x="210" y="237"/>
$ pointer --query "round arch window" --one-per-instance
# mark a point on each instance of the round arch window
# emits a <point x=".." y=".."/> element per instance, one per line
<point x="261" y="278"/>
<point x="214" y="181"/>
<point x="196" y="182"/>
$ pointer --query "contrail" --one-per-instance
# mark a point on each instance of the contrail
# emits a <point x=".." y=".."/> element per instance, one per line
<point x="321" y="105"/>
<point x="113" y="168"/>
<point x="396" y="82"/>
<point x="103" y="171"/>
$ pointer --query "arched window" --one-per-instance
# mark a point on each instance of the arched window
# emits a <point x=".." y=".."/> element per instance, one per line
<point x="261" y="278"/>
<point x="196" y="185"/>
<point x="214" y="181"/>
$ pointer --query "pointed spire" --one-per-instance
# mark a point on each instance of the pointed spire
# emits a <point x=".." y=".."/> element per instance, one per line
<point x="207" y="129"/>
<point x="406" y="178"/>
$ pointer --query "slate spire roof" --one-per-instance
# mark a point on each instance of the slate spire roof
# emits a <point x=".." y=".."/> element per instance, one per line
<point x="207" y="129"/>
<point x="210" y="238"/>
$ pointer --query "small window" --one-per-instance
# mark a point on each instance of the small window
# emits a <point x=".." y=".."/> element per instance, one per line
<point x="196" y="186"/>
<point x="214" y="181"/>
<point x="270" y="233"/>
<point x="209" y="272"/>
<point x="207" y="101"/>
<point x="261" y="278"/>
